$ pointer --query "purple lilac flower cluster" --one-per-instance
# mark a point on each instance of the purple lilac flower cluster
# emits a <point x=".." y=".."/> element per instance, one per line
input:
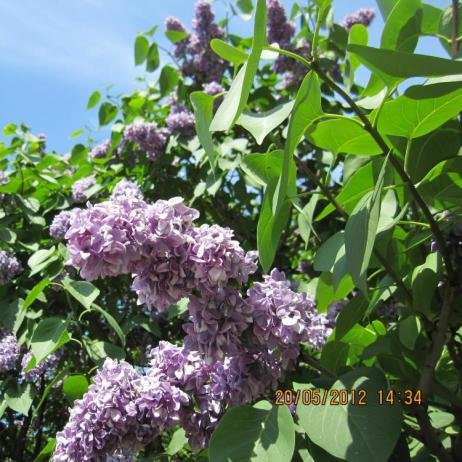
<point x="363" y="16"/>
<point x="181" y="120"/>
<point x="42" y="368"/>
<point x="100" y="151"/>
<point x="198" y="60"/>
<point x="3" y="180"/>
<point x="120" y="412"/>
<point x="148" y="136"/>
<point x="80" y="187"/>
<point x="10" y="267"/>
<point x="61" y="223"/>
<point x="235" y="348"/>
<point x="9" y="350"/>
<point x="212" y="88"/>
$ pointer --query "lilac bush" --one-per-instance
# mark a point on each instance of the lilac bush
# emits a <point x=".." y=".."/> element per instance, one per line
<point x="100" y="151"/>
<point x="363" y="16"/>
<point x="40" y="369"/>
<point x="149" y="137"/>
<point x="61" y="224"/>
<point x="181" y="120"/>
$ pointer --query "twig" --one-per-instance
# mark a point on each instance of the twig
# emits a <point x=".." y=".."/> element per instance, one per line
<point x="455" y="28"/>
<point x="316" y="365"/>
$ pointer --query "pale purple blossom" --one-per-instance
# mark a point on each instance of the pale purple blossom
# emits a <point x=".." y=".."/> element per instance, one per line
<point x="9" y="351"/>
<point x="173" y="24"/>
<point x="10" y="267"/>
<point x="43" y="367"/>
<point x="149" y="137"/>
<point x="126" y="190"/>
<point x="363" y="16"/>
<point x="80" y="188"/>
<point x="217" y="324"/>
<point x="100" y="151"/>
<point x="213" y="88"/>
<point x="181" y="120"/>
<point x="61" y="224"/>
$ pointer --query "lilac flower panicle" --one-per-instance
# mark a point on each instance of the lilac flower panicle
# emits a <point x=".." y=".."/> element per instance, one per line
<point x="61" y="224"/>
<point x="100" y="151"/>
<point x="9" y="351"/>
<point x="36" y="372"/>
<point x="104" y="420"/>
<point x="181" y="120"/>
<point x="217" y="324"/>
<point x="283" y="318"/>
<point x="80" y="187"/>
<point x="104" y="239"/>
<point x="216" y="257"/>
<point x="213" y="88"/>
<point x="363" y="16"/>
<point x="126" y="190"/>
<point x="333" y="311"/>
<point x="280" y="30"/>
<point x="10" y="267"/>
<point x="149" y="137"/>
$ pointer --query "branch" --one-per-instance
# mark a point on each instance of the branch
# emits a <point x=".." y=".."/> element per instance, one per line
<point x="438" y="342"/>
<point x="455" y="28"/>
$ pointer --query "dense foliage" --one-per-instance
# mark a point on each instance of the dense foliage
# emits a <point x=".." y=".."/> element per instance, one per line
<point x="261" y="263"/>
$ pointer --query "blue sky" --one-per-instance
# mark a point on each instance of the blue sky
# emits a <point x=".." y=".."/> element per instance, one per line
<point x="54" y="53"/>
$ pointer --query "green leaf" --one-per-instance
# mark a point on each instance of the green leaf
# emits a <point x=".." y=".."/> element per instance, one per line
<point x="141" y="49"/>
<point x="421" y="109"/>
<point x="49" y="335"/>
<point x="360" y="232"/>
<point x="107" y="113"/>
<point x="94" y="99"/>
<point x="35" y="292"/>
<point x="305" y="219"/>
<point x="254" y="433"/>
<point x="152" y="58"/>
<point x="428" y="151"/>
<point x="262" y="168"/>
<point x="326" y="293"/>
<point x="424" y="282"/>
<point x="12" y="314"/>
<point x="431" y="19"/>
<point x="330" y="252"/>
<point x="228" y="52"/>
<point x="177" y="443"/>
<point x="20" y="397"/>
<point x="245" y="6"/>
<point x="176" y="36"/>
<point x="168" y="80"/>
<point x="75" y="386"/>
<point x="236" y="99"/>
<point x="84" y="292"/>
<point x="99" y="350"/>
<point x="47" y="451"/>
<point x="9" y="129"/>
<point x="113" y="323"/>
<point x="403" y="25"/>
<point x="306" y="110"/>
<point x="357" y="35"/>
<point x="7" y="235"/>
<point x="355" y="433"/>
<point x="409" y="329"/>
<point x="203" y="111"/>
<point x="392" y="65"/>
<point x="261" y="124"/>
<point x="349" y="316"/>
<point x="344" y="136"/>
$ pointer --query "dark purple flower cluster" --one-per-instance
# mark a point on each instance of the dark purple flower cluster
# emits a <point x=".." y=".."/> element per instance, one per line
<point x="280" y="30"/>
<point x="181" y="120"/>
<point x="333" y="311"/>
<point x="10" y="267"/>
<point x="198" y="60"/>
<point x="9" y="351"/>
<point x="60" y="224"/>
<point x="100" y="151"/>
<point x="42" y="368"/>
<point x="80" y="187"/>
<point x="149" y="137"/>
<point x="363" y="16"/>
